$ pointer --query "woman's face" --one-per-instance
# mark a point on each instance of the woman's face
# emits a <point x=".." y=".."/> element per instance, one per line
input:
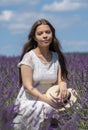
<point x="43" y="35"/>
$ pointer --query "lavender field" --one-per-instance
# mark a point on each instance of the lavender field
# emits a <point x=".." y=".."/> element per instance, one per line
<point x="74" y="119"/>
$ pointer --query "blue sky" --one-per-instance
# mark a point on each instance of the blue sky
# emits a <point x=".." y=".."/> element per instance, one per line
<point x="69" y="17"/>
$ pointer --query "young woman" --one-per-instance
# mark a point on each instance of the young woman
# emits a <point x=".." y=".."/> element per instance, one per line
<point x="42" y="65"/>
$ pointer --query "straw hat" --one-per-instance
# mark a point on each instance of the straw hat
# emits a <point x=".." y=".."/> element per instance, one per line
<point x="67" y="103"/>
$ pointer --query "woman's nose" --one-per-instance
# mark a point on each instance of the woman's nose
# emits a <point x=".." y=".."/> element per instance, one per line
<point x="44" y="35"/>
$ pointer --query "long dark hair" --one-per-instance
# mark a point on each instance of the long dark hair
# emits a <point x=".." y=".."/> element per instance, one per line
<point x="55" y="46"/>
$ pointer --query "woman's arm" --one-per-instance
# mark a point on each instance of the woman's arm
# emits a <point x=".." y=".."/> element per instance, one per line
<point x="62" y="89"/>
<point x="27" y="79"/>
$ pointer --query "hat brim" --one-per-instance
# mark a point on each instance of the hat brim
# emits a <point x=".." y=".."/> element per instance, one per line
<point x="69" y="103"/>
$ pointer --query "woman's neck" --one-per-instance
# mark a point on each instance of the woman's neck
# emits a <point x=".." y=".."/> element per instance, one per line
<point x="44" y="54"/>
<point x="42" y="51"/>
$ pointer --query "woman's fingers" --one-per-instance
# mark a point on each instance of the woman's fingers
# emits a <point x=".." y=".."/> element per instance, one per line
<point x="57" y="92"/>
<point x="55" y="102"/>
<point x="63" y="94"/>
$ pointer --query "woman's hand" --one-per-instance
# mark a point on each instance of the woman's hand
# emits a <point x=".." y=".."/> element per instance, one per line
<point x="63" y="91"/>
<point x="52" y="102"/>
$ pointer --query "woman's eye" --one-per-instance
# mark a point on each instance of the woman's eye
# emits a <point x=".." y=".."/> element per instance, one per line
<point x="48" y="32"/>
<point x="39" y="33"/>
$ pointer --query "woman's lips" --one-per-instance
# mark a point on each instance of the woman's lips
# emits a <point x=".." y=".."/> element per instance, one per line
<point x="45" y="41"/>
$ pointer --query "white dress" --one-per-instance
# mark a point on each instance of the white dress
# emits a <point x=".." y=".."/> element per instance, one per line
<point x="31" y="111"/>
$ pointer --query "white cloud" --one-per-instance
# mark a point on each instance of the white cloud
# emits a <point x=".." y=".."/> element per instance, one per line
<point x="63" y="22"/>
<point x="65" y="5"/>
<point x="10" y="2"/>
<point x="17" y="2"/>
<point x="16" y="21"/>
<point x="20" y="22"/>
<point x="17" y="26"/>
<point x="6" y="15"/>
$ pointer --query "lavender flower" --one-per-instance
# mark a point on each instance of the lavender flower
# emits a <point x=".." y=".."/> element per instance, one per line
<point x="75" y="118"/>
